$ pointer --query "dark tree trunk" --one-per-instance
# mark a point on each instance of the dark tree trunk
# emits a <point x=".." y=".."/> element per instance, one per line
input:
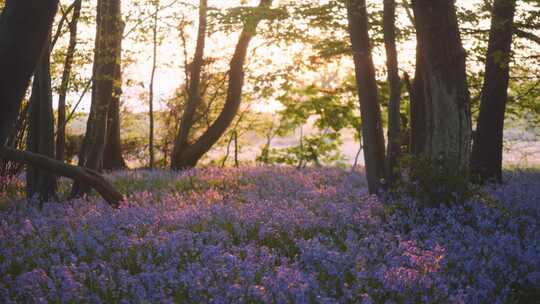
<point x="194" y="92"/>
<point x="113" y="159"/>
<point x="418" y="108"/>
<point x="394" y="118"/>
<point x="448" y="118"/>
<point x="64" y="86"/>
<point x="105" y="61"/>
<point x="372" y="130"/>
<point x="24" y="28"/>
<point x="40" y="138"/>
<point x="79" y="174"/>
<point x="187" y="155"/>
<point x="486" y="159"/>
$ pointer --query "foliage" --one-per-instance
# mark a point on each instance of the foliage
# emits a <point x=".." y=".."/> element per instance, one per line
<point x="267" y="235"/>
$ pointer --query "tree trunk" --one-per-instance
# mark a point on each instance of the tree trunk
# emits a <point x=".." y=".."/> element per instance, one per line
<point x="394" y="119"/>
<point x="187" y="155"/>
<point x="486" y="159"/>
<point x="40" y="138"/>
<point x="372" y="130"/>
<point x="448" y="119"/>
<point x="113" y="159"/>
<point x="194" y="91"/>
<point x="79" y="174"/>
<point x="64" y="86"/>
<point x="24" y="28"/>
<point x="417" y="107"/>
<point x="105" y="61"/>
<point x="152" y="79"/>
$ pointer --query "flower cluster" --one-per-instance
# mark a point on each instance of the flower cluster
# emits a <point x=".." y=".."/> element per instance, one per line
<point x="272" y="235"/>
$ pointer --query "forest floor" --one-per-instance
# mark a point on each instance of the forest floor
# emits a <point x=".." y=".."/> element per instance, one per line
<point x="271" y="235"/>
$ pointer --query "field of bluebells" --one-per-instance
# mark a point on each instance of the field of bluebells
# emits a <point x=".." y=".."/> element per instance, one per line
<point x="270" y="235"/>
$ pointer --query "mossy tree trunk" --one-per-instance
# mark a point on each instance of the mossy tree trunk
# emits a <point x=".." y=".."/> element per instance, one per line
<point x="447" y="99"/>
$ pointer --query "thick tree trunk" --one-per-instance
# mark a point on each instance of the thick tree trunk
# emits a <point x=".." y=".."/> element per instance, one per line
<point x="107" y="28"/>
<point x="40" y="138"/>
<point x="394" y="118"/>
<point x="24" y="28"/>
<point x="79" y="174"/>
<point x="486" y="159"/>
<point x="64" y="86"/>
<point x="372" y="130"/>
<point x="417" y="107"/>
<point x="448" y="119"/>
<point x="113" y="159"/>
<point x="187" y="155"/>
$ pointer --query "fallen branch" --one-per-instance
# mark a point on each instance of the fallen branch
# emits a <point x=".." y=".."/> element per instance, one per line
<point x="80" y="174"/>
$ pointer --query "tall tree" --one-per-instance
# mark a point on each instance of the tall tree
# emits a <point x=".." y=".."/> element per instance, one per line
<point x="394" y="119"/>
<point x="417" y="106"/>
<point x="41" y="129"/>
<point x="448" y="118"/>
<point x="24" y="28"/>
<point x="113" y="144"/>
<point x="372" y="130"/>
<point x="105" y="62"/>
<point x="64" y="86"/>
<point x="187" y="154"/>
<point x="153" y="75"/>
<point x="486" y="158"/>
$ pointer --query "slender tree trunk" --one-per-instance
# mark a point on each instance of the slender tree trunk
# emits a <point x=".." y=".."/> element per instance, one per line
<point x="372" y="130"/>
<point x="24" y="28"/>
<point x="194" y="91"/>
<point x="64" y="86"/>
<point x="187" y="155"/>
<point x="40" y="138"/>
<point x="394" y="119"/>
<point x="447" y="92"/>
<point x="486" y="159"/>
<point x="151" y="93"/>
<point x="113" y="159"/>
<point x="91" y="154"/>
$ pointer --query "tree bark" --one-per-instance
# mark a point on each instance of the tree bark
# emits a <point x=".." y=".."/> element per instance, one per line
<point x="194" y="91"/>
<point x="79" y="174"/>
<point x="187" y="155"/>
<point x="24" y="28"/>
<point x="64" y="86"/>
<point x="152" y="79"/>
<point x="107" y="28"/>
<point x="372" y="130"/>
<point x="113" y="159"/>
<point x="394" y="118"/>
<point x="448" y="119"/>
<point x="417" y="107"/>
<point x="487" y="155"/>
<point x="40" y="138"/>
